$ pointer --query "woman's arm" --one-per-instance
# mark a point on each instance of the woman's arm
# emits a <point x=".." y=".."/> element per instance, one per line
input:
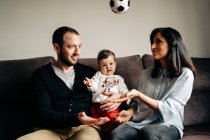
<point x="174" y="99"/>
<point x="152" y="103"/>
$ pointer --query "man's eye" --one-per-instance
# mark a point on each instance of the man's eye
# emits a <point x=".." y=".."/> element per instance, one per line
<point x="71" y="46"/>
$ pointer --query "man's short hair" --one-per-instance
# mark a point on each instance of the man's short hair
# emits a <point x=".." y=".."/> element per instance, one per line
<point x="59" y="33"/>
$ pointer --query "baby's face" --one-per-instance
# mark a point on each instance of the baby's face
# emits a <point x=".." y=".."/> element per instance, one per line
<point x="108" y="65"/>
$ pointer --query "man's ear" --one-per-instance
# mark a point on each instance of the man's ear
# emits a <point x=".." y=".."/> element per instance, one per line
<point x="56" y="47"/>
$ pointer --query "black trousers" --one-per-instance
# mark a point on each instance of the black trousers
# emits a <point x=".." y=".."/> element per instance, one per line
<point x="149" y="132"/>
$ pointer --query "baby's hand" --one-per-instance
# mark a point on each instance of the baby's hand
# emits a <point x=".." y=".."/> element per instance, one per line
<point x="87" y="82"/>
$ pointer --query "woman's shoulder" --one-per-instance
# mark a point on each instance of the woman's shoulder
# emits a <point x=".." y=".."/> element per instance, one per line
<point x="187" y="72"/>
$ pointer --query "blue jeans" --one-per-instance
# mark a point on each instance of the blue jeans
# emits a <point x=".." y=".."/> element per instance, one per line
<point x="149" y="132"/>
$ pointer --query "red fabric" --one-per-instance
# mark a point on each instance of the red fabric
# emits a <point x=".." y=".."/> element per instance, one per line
<point x="97" y="112"/>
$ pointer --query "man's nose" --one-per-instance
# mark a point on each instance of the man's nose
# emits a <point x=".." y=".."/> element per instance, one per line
<point x="77" y="49"/>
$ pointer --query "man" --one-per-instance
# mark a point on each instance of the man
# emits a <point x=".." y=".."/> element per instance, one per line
<point x="60" y="94"/>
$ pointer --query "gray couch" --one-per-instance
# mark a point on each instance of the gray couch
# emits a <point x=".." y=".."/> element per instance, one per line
<point x="16" y="102"/>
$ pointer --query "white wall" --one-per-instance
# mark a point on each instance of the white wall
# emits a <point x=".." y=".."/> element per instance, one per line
<point x="26" y="26"/>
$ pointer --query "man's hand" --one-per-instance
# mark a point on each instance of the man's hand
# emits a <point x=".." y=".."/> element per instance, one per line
<point x="110" y="103"/>
<point x="92" y="121"/>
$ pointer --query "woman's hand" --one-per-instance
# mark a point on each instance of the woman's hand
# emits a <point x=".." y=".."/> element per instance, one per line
<point x="110" y="103"/>
<point x="92" y="121"/>
<point x="152" y="103"/>
<point x="128" y="96"/>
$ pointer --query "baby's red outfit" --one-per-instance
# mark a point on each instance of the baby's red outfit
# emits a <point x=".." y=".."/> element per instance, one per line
<point x="97" y="112"/>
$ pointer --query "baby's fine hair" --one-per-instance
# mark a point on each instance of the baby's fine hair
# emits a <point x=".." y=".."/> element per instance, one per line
<point x="103" y="54"/>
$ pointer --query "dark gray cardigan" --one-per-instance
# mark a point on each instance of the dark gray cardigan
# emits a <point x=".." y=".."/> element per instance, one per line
<point x="56" y="105"/>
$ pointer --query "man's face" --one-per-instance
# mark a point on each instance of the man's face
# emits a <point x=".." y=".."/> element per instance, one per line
<point x="70" y="51"/>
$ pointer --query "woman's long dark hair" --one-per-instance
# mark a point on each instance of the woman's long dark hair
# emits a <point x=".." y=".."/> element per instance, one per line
<point x="177" y="56"/>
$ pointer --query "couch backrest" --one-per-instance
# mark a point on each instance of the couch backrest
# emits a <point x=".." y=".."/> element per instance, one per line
<point x="16" y="109"/>
<point x="197" y="109"/>
<point x="15" y="99"/>
<point x="129" y="68"/>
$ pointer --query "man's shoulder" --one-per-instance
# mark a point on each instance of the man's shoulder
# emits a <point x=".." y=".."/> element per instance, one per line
<point x="84" y="69"/>
<point x="43" y="68"/>
<point x="82" y="66"/>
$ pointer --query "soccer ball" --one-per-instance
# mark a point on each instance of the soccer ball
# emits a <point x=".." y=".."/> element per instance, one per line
<point x="119" y="6"/>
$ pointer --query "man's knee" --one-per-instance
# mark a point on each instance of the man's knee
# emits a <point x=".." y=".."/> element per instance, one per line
<point x="40" y="134"/>
<point x="86" y="133"/>
<point x="79" y="136"/>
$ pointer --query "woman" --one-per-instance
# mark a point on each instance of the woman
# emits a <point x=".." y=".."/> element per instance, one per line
<point x="162" y="93"/>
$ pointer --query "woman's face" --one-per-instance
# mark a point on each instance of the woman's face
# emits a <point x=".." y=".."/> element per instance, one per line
<point x="160" y="48"/>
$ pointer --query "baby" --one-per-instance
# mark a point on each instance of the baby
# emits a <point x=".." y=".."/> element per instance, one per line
<point x="105" y="81"/>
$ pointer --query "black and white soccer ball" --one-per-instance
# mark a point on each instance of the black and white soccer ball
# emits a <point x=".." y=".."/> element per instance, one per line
<point x="119" y="6"/>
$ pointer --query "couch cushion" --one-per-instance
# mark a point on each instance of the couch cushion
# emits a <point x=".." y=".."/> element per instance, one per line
<point x="196" y="137"/>
<point x="200" y="132"/>
<point x="15" y="102"/>
<point x="129" y="68"/>
<point x="148" y="61"/>
<point x="197" y="110"/>
<point x="202" y="82"/>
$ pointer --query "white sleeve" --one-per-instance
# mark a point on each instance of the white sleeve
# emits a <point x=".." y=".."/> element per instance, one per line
<point x="95" y="80"/>
<point x="122" y="86"/>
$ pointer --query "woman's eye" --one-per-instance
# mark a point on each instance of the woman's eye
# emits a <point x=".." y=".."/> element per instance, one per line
<point x="158" y="42"/>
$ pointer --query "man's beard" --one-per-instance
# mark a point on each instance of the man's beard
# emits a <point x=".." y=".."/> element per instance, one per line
<point x="65" y="60"/>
